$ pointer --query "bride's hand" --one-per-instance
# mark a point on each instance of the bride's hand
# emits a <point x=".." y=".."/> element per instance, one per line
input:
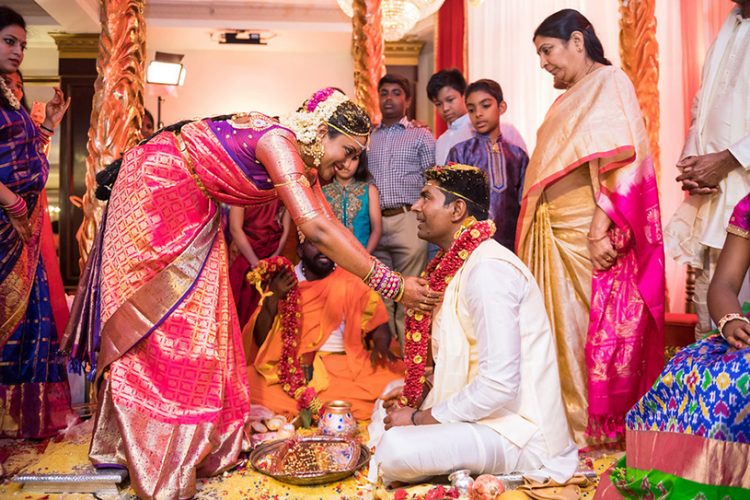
<point x="417" y="294"/>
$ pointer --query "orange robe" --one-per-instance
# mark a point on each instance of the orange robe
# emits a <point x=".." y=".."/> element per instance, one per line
<point x="341" y="296"/>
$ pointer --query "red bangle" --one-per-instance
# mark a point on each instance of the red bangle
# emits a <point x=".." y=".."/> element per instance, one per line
<point x="17" y="208"/>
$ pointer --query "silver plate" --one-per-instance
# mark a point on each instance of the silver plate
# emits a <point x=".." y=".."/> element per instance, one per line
<point x="307" y="479"/>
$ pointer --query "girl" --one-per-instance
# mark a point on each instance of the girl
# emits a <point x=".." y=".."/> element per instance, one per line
<point x="257" y="233"/>
<point x="356" y="202"/>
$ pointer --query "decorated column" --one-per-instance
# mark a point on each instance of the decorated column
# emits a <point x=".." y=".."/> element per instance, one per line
<point x="368" y="52"/>
<point x="117" y="109"/>
<point x="639" y="52"/>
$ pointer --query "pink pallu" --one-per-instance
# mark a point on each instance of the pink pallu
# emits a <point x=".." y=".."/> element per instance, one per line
<point x="598" y="122"/>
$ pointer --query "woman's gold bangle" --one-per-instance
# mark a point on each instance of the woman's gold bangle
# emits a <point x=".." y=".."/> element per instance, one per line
<point x="591" y="238"/>
<point x="401" y="289"/>
<point x="367" y="277"/>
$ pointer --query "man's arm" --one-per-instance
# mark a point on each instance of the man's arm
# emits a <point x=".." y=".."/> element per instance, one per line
<point x="280" y="285"/>
<point x="381" y="343"/>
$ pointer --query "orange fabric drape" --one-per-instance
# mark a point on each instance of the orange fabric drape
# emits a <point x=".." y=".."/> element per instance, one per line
<point x="701" y="21"/>
<point x="450" y="44"/>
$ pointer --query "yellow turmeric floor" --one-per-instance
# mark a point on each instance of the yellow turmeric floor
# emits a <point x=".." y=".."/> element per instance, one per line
<point x="69" y="456"/>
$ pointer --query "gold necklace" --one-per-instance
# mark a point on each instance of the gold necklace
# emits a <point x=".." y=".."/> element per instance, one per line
<point x="591" y="66"/>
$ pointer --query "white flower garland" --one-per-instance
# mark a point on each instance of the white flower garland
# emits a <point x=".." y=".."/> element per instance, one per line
<point x="305" y="124"/>
<point x="8" y="94"/>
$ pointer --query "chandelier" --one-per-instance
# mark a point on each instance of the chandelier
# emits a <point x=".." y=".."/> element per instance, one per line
<point x="399" y="16"/>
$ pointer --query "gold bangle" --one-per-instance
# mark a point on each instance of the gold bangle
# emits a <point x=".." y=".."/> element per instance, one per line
<point x="369" y="273"/>
<point x="591" y="238"/>
<point x="401" y="289"/>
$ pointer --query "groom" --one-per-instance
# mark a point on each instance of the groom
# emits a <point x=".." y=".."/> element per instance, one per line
<point x="495" y="404"/>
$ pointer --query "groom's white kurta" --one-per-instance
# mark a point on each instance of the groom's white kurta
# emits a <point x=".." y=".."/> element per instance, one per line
<point x="496" y="386"/>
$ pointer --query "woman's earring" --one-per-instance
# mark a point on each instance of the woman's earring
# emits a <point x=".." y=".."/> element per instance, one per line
<point x="318" y="150"/>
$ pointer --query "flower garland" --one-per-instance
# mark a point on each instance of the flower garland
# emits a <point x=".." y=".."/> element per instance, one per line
<point x="8" y="94"/>
<point x="291" y="377"/>
<point x="439" y="273"/>
<point x="318" y="109"/>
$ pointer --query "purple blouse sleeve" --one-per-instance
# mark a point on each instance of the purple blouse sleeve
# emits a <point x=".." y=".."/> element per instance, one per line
<point x="240" y="140"/>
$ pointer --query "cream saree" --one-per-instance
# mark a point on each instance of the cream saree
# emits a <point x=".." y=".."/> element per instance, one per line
<point x="592" y="149"/>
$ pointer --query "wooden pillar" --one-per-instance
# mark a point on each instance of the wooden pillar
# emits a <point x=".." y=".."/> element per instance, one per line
<point x="639" y="52"/>
<point x="77" y="69"/>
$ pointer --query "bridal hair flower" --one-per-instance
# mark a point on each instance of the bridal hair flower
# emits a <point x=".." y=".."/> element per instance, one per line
<point x="316" y="110"/>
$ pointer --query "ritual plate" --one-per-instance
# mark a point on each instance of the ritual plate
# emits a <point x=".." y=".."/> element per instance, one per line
<point x="326" y="459"/>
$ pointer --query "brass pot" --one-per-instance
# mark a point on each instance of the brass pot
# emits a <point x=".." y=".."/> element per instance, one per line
<point x="337" y="420"/>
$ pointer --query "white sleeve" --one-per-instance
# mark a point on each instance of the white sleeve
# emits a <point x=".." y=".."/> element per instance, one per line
<point x="691" y="141"/>
<point x="493" y="302"/>
<point x="741" y="151"/>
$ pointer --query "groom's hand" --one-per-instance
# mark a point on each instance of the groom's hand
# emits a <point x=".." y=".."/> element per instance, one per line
<point x="398" y="416"/>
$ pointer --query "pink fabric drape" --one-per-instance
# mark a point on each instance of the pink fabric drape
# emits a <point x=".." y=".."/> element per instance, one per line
<point x="450" y="44"/>
<point x="701" y="21"/>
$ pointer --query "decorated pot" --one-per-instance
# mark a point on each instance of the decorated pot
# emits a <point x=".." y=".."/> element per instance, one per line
<point x="462" y="481"/>
<point x="337" y="420"/>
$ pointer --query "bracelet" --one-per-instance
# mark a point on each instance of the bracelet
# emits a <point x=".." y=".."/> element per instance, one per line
<point x="387" y="283"/>
<point x="369" y="273"/>
<point x="414" y="414"/>
<point x="401" y="289"/>
<point x="51" y="131"/>
<point x="590" y="238"/>
<point x="727" y="318"/>
<point x="17" y="208"/>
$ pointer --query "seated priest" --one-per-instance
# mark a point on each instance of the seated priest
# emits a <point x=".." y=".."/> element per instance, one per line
<point x="492" y="404"/>
<point x="344" y="338"/>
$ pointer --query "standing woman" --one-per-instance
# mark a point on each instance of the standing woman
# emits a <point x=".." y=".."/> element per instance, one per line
<point x="34" y="392"/>
<point x="589" y="230"/>
<point x="156" y="296"/>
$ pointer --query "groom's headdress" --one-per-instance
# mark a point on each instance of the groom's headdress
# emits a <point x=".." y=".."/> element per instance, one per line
<point x="462" y="181"/>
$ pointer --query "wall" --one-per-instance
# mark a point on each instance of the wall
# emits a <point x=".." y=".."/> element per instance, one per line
<point x="274" y="79"/>
<point x="425" y="108"/>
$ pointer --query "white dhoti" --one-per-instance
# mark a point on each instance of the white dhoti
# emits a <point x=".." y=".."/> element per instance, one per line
<point x="414" y="453"/>
<point x="496" y="386"/>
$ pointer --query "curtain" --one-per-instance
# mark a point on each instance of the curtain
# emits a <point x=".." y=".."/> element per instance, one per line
<point x="500" y="47"/>
<point x="450" y="44"/>
<point x="700" y="22"/>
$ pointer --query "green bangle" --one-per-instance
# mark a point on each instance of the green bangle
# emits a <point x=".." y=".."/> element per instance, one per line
<point x="414" y="414"/>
